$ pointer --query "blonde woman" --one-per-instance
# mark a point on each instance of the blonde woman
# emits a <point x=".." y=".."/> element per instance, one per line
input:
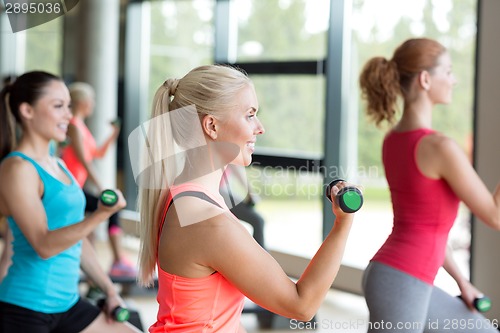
<point x="207" y="261"/>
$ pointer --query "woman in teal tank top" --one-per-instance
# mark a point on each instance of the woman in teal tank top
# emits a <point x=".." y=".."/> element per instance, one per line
<point x="44" y="207"/>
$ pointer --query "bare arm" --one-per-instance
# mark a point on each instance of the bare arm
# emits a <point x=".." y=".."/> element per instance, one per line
<point x="101" y="150"/>
<point x="242" y="329"/>
<point x="440" y="157"/>
<point x="92" y="268"/>
<point x="467" y="290"/>
<point x="231" y="251"/>
<point x="5" y="259"/>
<point x="20" y="197"/>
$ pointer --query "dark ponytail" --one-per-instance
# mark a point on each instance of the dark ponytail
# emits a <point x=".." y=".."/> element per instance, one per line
<point x="7" y="124"/>
<point x="27" y="88"/>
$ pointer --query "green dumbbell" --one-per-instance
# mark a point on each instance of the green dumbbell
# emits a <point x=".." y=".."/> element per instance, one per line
<point x="118" y="314"/>
<point x="349" y="198"/>
<point x="108" y="197"/>
<point x="482" y="304"/>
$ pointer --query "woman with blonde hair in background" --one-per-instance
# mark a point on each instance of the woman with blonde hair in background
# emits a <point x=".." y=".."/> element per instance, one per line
<point x="79" y="154"/>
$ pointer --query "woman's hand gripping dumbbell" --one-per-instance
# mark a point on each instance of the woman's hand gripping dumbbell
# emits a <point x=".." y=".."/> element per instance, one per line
<point x="349" y="198"/>
<point x="118" y="313"/>
<point x="108" y="198"/>
<point x="112" y="201"/>
<point x="481" y="303"/>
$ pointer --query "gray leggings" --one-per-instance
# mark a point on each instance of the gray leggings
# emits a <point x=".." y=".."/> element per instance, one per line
<point x="399" y="302"/>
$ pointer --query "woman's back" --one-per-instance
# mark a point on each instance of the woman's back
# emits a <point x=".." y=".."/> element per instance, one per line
<point x="424" y="209"/>
<point x="203" y="300"/>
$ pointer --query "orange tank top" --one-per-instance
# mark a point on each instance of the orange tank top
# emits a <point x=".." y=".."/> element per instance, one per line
<point x="208" y="304"/>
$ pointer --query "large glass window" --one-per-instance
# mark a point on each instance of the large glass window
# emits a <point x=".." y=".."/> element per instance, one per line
<point x="277" y="37"/>
<point x="281" y="30"/>
<point x="181" y="35"/>
<point x="44" y="47"/>
<point x="36" y="48"/>
<point x="292" y="111"/>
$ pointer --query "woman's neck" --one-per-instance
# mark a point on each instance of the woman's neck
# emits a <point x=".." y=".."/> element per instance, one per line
<point x="415" y="115"/>
<point x="209" y="179"/>
<point x="36" y="148"/>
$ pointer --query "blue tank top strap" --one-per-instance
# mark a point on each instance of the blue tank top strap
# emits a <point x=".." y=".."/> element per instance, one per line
<point x="44" y="175"/>
<point x="41" y="171"/>
<point x="22" y="155"/>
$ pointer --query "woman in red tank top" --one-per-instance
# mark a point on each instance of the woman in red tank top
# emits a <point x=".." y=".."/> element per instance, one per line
<point x="425" y="171"/>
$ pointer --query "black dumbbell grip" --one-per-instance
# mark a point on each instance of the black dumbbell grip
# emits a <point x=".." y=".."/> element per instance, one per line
<point x="118" y="314"/>
<point x="328" y="191"/>
<point x="477" y="303"/>
<point x="345" y="208"/>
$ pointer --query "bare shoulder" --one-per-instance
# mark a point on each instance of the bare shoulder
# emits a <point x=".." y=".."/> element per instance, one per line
<point x="193" y="210"/>
<point x="438" y="145"/>
<point x="15" y="168"/>
<point x="437" y="153"/>
<point x="228" y="244"/>
<point x="436" y="140"/>
<point x="208" y="223"/>
<point x="17" y="177"/>
<point x="197" y="235"/>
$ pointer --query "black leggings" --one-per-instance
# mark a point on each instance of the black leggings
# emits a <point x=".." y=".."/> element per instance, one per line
<point x="16" y="319"/>
<point x="92" y="201"/>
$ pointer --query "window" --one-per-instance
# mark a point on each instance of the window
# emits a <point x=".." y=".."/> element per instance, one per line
<point x="280" y="30"/>
<point x="44" y="47"/>
<point x="37" y="48"/>
<point x="282" y="45"/>
<point x="181" y="38"/>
